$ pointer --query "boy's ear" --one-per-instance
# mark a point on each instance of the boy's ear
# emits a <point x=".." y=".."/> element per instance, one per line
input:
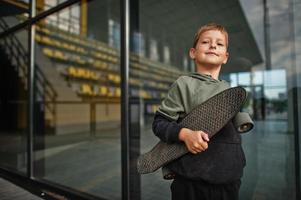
<point x="192" y="53"/>
<point x="226" y="59"/>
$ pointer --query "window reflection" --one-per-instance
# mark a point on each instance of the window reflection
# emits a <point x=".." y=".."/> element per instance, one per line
<point x="13" y="100"/>
<point x="77" y="142"/>
<point x="268" y="86"/>
<point x="77" y="100"/>
<point x="13" y="12"/>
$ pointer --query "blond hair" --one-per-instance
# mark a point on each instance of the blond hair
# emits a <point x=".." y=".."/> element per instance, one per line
<point x="209" y="27"/>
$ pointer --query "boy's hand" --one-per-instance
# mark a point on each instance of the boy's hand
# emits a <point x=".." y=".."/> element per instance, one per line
<point x="195" y="141"/>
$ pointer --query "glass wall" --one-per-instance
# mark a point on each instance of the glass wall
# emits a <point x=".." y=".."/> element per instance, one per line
<point x="77" y="138"/>
<point x="68" y="20"/>
<point x="261" y="60"/>
<point x="77" y="90"/>
<point x="295" y="17"/>
<point x="276" y="130"/>
<point x="76" y="97"/>
<point x="14" y="12"/>
<point x="13" y="100"/>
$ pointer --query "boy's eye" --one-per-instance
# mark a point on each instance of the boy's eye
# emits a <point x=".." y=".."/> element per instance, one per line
<point x="205" y="42"/>
<point x="220" y="44"/>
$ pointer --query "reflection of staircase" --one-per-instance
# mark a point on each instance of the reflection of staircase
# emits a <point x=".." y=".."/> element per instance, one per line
<point x="92" y="67"/>
<point x="18" y="56"/>
<point x="9" y="8"/>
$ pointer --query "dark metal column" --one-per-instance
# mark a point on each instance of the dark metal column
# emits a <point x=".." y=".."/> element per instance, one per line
<point x="31" y="85"/>
<point x="124" y="64"/>
<point x="92" y="119"/>
<point x="135" y="112"/>
<point x="266" y="28"/>
<point x="295" y="90"/>
<point x="136" y="109"/>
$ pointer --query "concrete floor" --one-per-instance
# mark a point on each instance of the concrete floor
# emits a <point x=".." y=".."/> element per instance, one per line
<point x="93" y="165"/>
<point x="9" y="191"/>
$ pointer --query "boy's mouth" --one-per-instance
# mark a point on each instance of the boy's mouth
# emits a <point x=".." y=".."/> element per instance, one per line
<point x="211" y="53"/>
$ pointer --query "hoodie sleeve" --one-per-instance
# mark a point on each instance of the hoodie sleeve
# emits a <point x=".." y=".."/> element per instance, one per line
<point x="165" y="124"/>
<point x="172" y="106"/>
<point x="166" y="129"/>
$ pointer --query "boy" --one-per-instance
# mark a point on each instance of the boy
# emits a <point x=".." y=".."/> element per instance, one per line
<point x="212" y="170"/>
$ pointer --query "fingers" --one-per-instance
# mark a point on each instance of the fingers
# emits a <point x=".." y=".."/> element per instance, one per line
<point x="197" y="147"/>
<point x="195" y="150"/>
<point x="205" y="136"/>
<point x="196" y="141"/>
<point x="201" y="146"/>
<point x="202" y="139"/>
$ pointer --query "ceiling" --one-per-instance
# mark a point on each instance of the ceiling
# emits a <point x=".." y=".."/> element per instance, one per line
<point x="176" y="21"/>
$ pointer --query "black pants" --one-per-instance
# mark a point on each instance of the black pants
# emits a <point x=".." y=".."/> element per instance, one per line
<point x="184" y="189"/>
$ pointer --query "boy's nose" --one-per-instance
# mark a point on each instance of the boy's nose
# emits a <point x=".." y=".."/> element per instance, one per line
<point x="212" y="45"/>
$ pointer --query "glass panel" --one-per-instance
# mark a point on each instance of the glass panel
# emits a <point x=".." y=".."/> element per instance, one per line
<point x="244" y="78"/>
<point x="44" y="5"/>
<point x="13" y="12"/>
<point x="66" y="20"/>
<point x="78" y="99"/>
<point x="270" y="172"/>
<point x="295" y="11"/>
<point x="13" y="101"/>
<point x="159" y="57"/>
<point x="257" y="77"/>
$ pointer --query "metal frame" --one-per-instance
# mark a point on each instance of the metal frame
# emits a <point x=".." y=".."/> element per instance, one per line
<point x="31" y="82"/>
<point x="38" y="17"/>
<point x="124" y="64"/>
<point x="266" y="29"/>
<point x="295" y="94"/>
<point x="40" y="187"/>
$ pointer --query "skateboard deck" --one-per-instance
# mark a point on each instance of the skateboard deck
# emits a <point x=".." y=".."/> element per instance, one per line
<point x="210" y="117"/>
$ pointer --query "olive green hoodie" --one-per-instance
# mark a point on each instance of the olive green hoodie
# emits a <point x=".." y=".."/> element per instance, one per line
<point x="187" y="92"/>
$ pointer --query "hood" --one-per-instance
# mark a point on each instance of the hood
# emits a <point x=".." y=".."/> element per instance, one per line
<point x="203" y="77"/>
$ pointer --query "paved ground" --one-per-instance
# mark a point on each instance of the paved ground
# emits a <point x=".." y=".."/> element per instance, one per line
<point x="9" y="191"/>
<point x="94" y="164"/>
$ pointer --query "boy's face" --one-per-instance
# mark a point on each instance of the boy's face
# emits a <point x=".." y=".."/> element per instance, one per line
<point x="211" y="49"/>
